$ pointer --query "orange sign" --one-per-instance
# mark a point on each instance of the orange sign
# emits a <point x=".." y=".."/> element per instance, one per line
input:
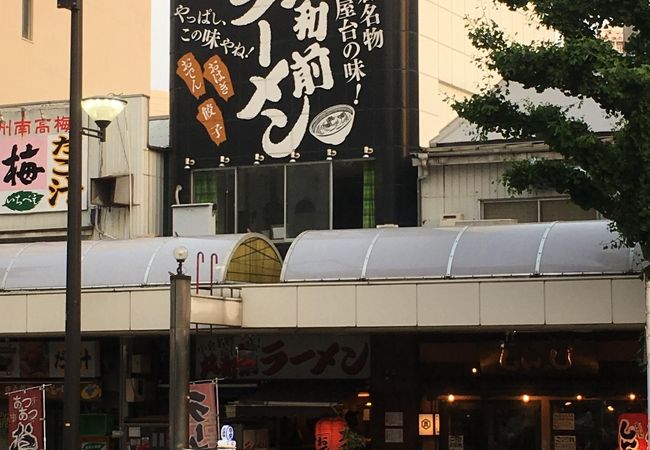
<point x="189" y="69"/>
<point x="210" y="116"/>
<point x="217" y="73"/>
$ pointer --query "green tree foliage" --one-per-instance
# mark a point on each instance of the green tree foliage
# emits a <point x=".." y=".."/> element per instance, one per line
<point x="611" y="174"/>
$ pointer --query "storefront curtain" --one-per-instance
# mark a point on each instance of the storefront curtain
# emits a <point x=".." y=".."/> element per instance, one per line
<point x="368" y="195"/>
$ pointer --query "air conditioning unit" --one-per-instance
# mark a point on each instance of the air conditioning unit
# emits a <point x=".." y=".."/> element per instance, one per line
<point x="194" y="219"/>
<point x="114" y="190"/>
<point x="450" y="219"/>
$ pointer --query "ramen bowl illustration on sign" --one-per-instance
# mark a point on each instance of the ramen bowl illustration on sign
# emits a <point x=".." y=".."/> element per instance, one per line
<point x="333" y="124"/>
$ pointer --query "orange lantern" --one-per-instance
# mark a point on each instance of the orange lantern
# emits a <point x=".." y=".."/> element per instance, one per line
<point x="329" y="433"/>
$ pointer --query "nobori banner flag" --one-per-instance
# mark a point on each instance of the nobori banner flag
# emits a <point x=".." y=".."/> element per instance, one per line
<point x="26" y="419"/>
<point x="203" y="415"/>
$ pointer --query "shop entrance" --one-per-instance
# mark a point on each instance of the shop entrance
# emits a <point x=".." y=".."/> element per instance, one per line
<point x="546" y="423"/>
<point x="490" y="424"/>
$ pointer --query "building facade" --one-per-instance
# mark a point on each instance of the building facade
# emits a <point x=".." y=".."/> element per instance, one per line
<point x="121" y="178"/>
<point x="296" y="116"/>
<point x="460" y="176"/>
<point x="302" y="116"/>
<point x="116" y="51"/>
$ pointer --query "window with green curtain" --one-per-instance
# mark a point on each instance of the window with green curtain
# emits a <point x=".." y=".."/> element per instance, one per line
<point x="204" y="187"/>
<point x="368" y="195"/>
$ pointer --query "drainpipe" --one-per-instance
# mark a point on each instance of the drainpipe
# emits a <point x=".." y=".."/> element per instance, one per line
<point x="421" y="161"/>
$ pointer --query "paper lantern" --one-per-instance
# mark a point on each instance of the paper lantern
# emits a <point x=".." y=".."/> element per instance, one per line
<point x="329" y="433"/>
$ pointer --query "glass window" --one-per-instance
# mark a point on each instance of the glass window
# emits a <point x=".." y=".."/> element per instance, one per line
<point x="461" y="426"/>
<point x="537" y="210"/>
<point x="308" y="198"/>
<point x="524" y="211"/>
<point x="27" y="19"/>
<point x="282" y="201"/>
<point x="260" y="200"/>
<point x="354" y="195"/>
<point x="217" y="187"/>
<point x="564" y="209"/>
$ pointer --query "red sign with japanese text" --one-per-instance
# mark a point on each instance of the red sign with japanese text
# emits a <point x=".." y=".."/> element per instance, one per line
<point x="289" y="357"/>
<point x="633" y="431"/>
<point x="26" y="420"/>
<point x="203" y="416"/>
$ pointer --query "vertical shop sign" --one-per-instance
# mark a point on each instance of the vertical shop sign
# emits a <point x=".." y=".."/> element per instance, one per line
<point x="633" y="431"/>
<point x="203" y="415"/>
<point x="26" y="419"/>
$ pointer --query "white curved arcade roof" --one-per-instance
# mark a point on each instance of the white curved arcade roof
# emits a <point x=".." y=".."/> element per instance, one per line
<point x="122" y="263"/>
<point x="551" y="249"/>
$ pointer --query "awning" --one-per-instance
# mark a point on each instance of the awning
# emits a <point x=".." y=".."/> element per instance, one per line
<point x="536" y="249"/>
<point x="294" y="397"/>
<point x="246" y="257"/>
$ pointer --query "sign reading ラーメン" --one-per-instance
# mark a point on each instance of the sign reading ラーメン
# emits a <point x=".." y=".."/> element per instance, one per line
<point x="277" y="77"/>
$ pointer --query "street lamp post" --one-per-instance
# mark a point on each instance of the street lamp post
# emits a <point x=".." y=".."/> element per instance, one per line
<point x="179" y="360"/>
<point x="72" y="376"/>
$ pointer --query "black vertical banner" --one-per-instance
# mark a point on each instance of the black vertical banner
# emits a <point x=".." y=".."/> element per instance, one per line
<point x="276" y="77"/>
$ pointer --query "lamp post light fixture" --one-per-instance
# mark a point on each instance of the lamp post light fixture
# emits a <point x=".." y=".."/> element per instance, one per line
<point x="180" y="255"/>
<point x="72" y="374"/>
<point x="102" y="110"/>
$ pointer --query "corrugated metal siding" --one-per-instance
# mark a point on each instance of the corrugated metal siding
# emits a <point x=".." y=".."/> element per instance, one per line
<point x="126" y="152"/>
<point x="460" y="189"/>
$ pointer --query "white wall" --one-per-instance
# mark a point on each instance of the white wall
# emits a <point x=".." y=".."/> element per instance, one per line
<point x="469" y="303"/>
<point x="559" y="303"/>
<point x="445" y="54"/>
<point x="457" y="179"/>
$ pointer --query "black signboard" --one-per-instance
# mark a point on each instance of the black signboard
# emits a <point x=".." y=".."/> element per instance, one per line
<point x="276" y="80"/>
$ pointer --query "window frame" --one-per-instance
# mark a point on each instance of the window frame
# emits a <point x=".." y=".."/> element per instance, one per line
<point x="537" y="200"/>
<point x="236" y="170"/>
<point x="27" y="20"/>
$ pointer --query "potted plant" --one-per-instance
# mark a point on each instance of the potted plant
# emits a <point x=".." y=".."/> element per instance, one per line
<point x="352" y="440"/>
